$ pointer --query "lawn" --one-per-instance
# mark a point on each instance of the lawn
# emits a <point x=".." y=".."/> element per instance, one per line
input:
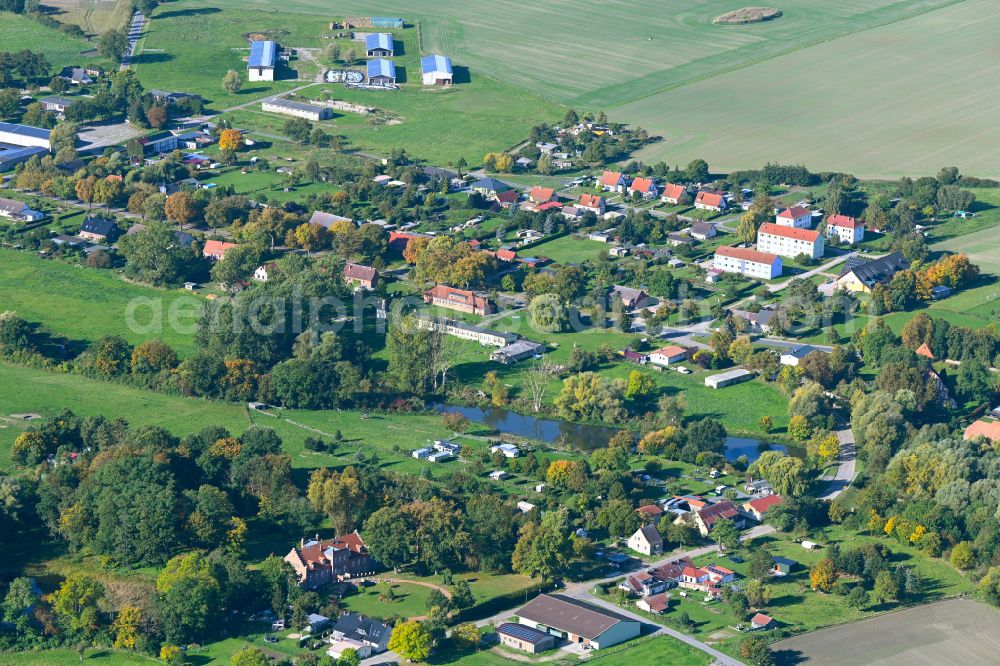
<point x="19" y="32"/>
<point x="84" y="304"/>
<point x="569" y="249"/>
<point x="97" y="656"/>
<point x="409" y="601"/>
<point x="659" y="650"/>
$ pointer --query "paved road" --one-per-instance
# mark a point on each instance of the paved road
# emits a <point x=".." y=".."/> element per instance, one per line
<point x="134" y="33"/>
<point x="774" y="288"/>
<point x="792" y="344"/>
<point x="846" y="470"/>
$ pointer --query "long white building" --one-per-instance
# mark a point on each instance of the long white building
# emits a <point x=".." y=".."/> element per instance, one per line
<point x="288" y="107"/>
<point x="789" y="241"/>
<point x="24" y="136"/>
<point x="747" y="262"/>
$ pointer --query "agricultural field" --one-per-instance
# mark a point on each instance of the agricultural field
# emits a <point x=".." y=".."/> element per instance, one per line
<point x="953" y="631"/>
<point x="18" y="32"/>
<point x="851" y="90"/>
<point x="94" y="17"/>
<point x="51" y="293"/>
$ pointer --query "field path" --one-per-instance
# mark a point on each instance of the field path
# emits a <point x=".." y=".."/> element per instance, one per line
<point x="134" y="34"/>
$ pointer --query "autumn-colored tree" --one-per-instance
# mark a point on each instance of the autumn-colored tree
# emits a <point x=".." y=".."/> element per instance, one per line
<point x="227" y="447"/>
<point x="562" y="472"/>
<point x="230" y="139"/>
<point x="126" y="627"/>
<point x="180" y="208"/>
<point x="411" y="640"/>
<point x="153" y="356"/>
<point x="85" y="189"/>
<point x="156" y="116"/>
<point x="823" y="575"/>
<point x="963" y="556"/>
<point x="665" y="442"/>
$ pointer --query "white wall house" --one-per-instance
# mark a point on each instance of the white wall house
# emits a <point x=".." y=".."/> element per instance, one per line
<point x="789" y="241"/>
<point x="747" y="262"/>
<point x="796" y="216"/>
<point x="848" y="229"/>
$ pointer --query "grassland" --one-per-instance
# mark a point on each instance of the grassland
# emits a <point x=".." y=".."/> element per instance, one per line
<point x="84" y="304"/>
<point x="410" y="600"/>
<point x="95" y="17"/>
<point x="569" y="249"/>
<point x="836" y="105"/>
<point x="18" y="32"/>
<point x="98" y="657"/>
<point x="954" y="631"/>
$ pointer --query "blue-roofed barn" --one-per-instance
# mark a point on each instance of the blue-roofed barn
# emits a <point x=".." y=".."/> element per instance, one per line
<point x="381" y="71"/>
<point x="436" y="70"/>
<point x="263" y="55"/>
<point x="379" y="45"/>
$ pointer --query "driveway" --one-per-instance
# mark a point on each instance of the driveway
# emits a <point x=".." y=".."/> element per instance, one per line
<point x="774" y="288"/>
<point x="844" y="475"/>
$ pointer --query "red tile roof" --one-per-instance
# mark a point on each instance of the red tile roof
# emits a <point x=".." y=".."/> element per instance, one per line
<point x="312" y="555"/>
<point x="591" y="201"/>
<point x="460" y="296"/>
<point x="214" y="248"/>
<point x="772" y="229"/>
<point x="641" y="184"/>
<point x="762" y="504"/>
<point x="650" y="510"/>
<point x="658" y="602"/>
<point x="715" y="512"/>
<point x="509" y="196"/>
<point x="924" y="350"/>
<point x="506" y="255"/>
<point x="981" y="428"/>
<point x="673" y="191"/>
<point x="843" y="221"/>
<point x="747" y="254"/>
<point x="359" y="272"/>
<point x="548" y="205"/>
<point x="539" y="193"/>
<point x="761" y="619"/>
<point x="794" y="213"/>
<point x="611" y="178"/>
<point x="672" y="350"/>
<point x="709" y="199"/>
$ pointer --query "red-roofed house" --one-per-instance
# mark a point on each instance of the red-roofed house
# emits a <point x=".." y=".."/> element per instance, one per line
<point x="458" y="299"/>
<point x="540" y="195"/>
<point x="705" y="519"/>
<point x="507" y="199"/>
<point x="643" y="584"/>
<point x="761" y="621"/>
<point x="650" y="511"/>
<point x="656" y="604"/>
<point x="216" y="250"/>
<point x="710" y="201"/>
<point x="706" y="579"/>
<point x="756" y="508"/>
<point x="796" y="216"/>
<point x="668" y="355"/>
<point x="645" y="187"/>
<point x="357" y="275"/>
<point x="612" y="181"/>
<point x="317" y="563"/>
<point x="747" y="262"/>
<point x="548" y="205"/>
<point x="673" y="194"/>
<point x="503" y="254"/>
<point x="790" y="241"/>
<point x="848" y="229"/>
<point x="990" y="429"/>
<point x="925" y="351"/>
<point x="593" y="202"/>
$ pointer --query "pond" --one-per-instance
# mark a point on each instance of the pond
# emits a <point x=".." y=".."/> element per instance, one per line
<point x="583" y="437"/>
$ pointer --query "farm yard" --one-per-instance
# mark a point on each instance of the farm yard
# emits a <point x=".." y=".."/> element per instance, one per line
<point x="954" y="631"/>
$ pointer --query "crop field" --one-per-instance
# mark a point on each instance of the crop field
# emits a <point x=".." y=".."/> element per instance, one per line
<point x="18" y="32"/>
<point x="93" y="16"/>
<point x="983" y="248"/>
<point x="84" y="304"/>
<point x="838" y="105"/>
<point x="959" y="631"/>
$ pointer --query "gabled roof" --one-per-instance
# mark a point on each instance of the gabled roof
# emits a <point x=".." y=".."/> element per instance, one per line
<point x="871" y="271"/>
<point x="101" y="226"/>
<point x="642" y="185"/>
<point x="761" y="619"/>
<point x="746" y="254"/>
<point x="435" y="64"/>
<point x="577" y="617"/>
<point x="925" y="350"/>
<point x="378" y="40"/>
<point x="651" y="510"/>
<point x="715" y="512"/>
<point x="651" y="534"/>
<point x="762" y="504"/>
<point x="216" y="248"/>
<point x="702" y="228"/>
<point x="611" y="178"/>
<point x="262" y="54"/>
<point x="671" y="350"/>
<point x="359" y="272"/>
<point x="381" y="67"/>
<point x="794" y="213"/>
<point x="673" y="191"/>
<point x="808" y="235"/>
<point x="12" y="205"/>
<point x="491" y="185"/>
<point x="843" y="221"/>
<point x="591" y="201"/>
<point x="982" y="428"/>
<point x="709" y="199"/>
<point x="540" y="193"/>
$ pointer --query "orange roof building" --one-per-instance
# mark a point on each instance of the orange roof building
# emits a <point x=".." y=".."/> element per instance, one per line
<point x="924" y="350"/>
<point x="988" y="428"/>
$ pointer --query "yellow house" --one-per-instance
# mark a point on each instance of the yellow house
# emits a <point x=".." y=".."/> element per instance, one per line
<point x="861" y="274"/>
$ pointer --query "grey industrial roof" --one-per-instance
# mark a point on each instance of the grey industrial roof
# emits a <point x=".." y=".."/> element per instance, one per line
<point x="25" y="130"/>
<point x="871" y="271"/>
<point x="298" y="106"/>
<point x="571" y="615"/>
<point x="7" y="154"/>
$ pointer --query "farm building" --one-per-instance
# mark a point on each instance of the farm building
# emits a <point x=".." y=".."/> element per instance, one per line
<point x="378" y="22"/>
<point x="379" y="45"/>
<point x="747" y="262"/>
<point x="796" y="216"/>
<point x="263" y="55"/>
<point x="728" y="378"/>
<point x="526" y="639"/>
<point x="578" y="621"/>
<point x="287" y="107"/>
<point x="24" y="136"/>
<point x="460" y="329"/>
<point x="11" y="157"/>
<point x="517" y="351"/>
<point x="788" y="241"/>
<point x="436" y="70"/>
<point x="381" y="72"/>
<point x="848" y="229"/>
